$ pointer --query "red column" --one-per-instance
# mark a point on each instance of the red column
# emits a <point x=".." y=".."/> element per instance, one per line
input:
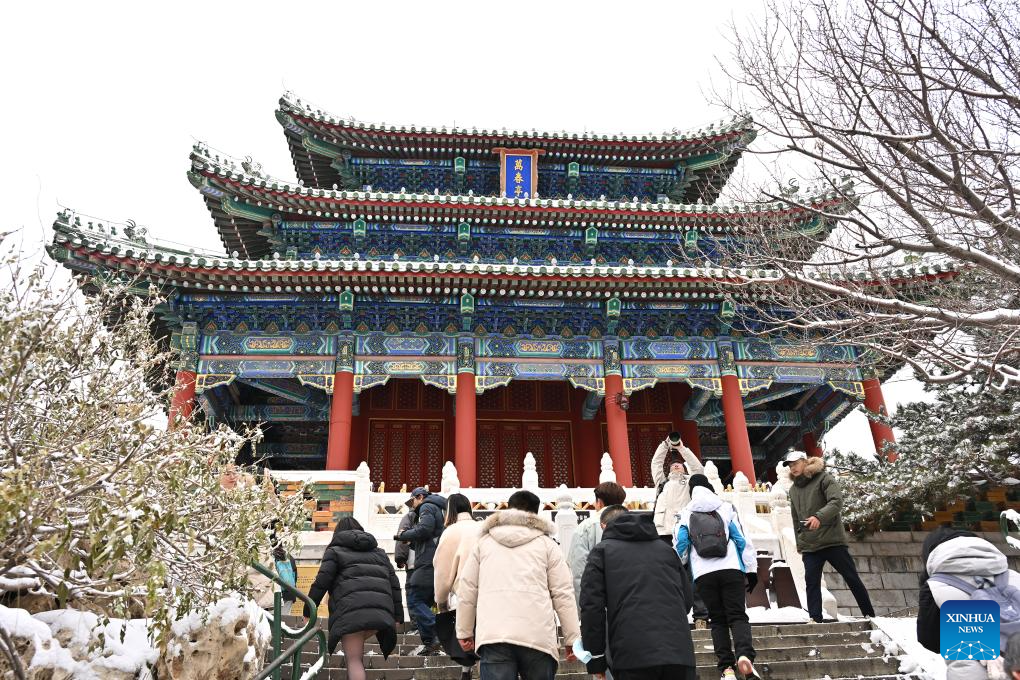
<point x="182" y="403"/>
<point x="616" y="423"/>
<point x="736" y="428"/>
<point x="689" y="433"/>
<point x="880" y="432"/>
<point x="338" y="447"/>
<point x="465" y="451"/>
<point x="811" y="447"/>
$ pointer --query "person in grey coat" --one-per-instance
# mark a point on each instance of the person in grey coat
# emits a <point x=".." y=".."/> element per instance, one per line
<point x="977" y="562"/>
<point x="589" y="532"/>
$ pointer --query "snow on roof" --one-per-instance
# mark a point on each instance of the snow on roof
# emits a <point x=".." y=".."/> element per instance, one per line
<point x="204" y="160"/>
<point x="741" y="122"/>
<point x="71" y="233"/>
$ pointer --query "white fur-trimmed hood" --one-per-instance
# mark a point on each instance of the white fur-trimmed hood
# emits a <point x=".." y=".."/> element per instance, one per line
<point x="514" y="528"/>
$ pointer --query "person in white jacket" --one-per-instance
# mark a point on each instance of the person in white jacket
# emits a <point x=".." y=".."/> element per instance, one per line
<point x="720" y="580"/>
<point x="977" y="562"/>
<point x="674" y="494"/>
<point x="457" y="542"/>
<point x="673" y="497"/>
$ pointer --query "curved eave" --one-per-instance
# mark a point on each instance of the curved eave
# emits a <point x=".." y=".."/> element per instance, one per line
<point x="176" y="270"/>
<point x="484" y="141"/>
<point x="237" y="233"/>
<point x="313" y="165"/>
<point x="267" y="196"/>
<point x="78" y="251"/>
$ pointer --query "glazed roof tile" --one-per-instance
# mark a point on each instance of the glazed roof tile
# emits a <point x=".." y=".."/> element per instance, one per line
<point x="216" y="272"/>
<point x="739" y="123"/>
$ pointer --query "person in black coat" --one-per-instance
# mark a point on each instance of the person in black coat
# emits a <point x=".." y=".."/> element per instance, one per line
<point x="424" y="537"/>
<point x="636" y="583"/>
<point x="364" y="594"/>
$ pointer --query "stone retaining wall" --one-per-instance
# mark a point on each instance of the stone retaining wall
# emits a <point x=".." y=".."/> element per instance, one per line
<point x="889" y="563"/>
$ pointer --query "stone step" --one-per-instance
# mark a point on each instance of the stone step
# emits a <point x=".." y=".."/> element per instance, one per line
<point x="857" y="669"/>
<point x="785" y="652"/>
<point x="704" y="656"/>
<point x="762" y="630"/>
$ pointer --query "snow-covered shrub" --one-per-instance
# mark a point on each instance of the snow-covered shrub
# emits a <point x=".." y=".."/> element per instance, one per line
<point x="101" y="508"/>
<point x="966" y="440"/>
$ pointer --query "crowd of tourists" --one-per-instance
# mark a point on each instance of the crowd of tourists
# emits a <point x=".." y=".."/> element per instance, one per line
<point x="499" y="591"/>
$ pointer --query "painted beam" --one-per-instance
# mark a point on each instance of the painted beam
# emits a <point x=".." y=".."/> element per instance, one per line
<point x="697" y="402"/>
<point x="263" y="413"/>
<point x="293" y="450"/>
<point x="757" y="399"/>
<point x="290" y="390"/>
<point x="760" y="419"/>
<point x="723" y="453"/>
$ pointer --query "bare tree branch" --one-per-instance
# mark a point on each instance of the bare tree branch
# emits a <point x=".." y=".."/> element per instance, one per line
<point x="920" y="101"/>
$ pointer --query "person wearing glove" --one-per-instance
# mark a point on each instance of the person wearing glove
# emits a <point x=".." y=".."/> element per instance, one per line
<point x="723" y="561"/>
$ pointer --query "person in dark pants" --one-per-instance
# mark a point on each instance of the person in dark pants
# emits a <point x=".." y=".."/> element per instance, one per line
<point x="402" y="553"/>
<point x="816" y="503"/>
<point x="635" y="587"/>
<point x="424" y="537"/>
<point x="513" y="591"/>
<point x="709" y="537"/>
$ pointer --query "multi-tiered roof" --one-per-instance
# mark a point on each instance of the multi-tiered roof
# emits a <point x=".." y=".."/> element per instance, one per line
<point x="411" y="220"/>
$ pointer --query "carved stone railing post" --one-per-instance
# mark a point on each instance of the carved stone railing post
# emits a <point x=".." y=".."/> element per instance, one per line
<point x="712" y="472"/>
<point x="607" y="474"/>
<point x="566" y="519"/>
<point x="451" y="482"/>
<point x="529" y="480"/>
<point x="363" y="509"/>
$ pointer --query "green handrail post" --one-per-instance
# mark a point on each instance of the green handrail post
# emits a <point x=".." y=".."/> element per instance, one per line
<point x="277" y="629"/>
<point x="301" y="637"/>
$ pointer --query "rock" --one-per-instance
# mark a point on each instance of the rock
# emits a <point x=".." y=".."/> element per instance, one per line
<point x="227" y="641"/>
<point x="31" y="602"/>
<point x="229" y="646"/>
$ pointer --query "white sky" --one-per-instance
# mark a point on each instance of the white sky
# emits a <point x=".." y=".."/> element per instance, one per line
<point x="103" y="101"/>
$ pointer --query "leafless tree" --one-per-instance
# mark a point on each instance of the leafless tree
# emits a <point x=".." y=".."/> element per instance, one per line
<point x="907" y="113"/>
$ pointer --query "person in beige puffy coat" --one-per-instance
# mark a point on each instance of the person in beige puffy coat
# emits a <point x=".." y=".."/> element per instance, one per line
<point x="512" y="588"/>
<point x="457" y="542"/>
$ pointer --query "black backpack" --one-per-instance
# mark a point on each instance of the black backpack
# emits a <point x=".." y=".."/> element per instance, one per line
<point x="708" y="534"/>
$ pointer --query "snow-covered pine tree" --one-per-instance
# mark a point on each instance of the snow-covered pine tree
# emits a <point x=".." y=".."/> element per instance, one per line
<point x="100" y="508"/>
<point x="965" y="440"/>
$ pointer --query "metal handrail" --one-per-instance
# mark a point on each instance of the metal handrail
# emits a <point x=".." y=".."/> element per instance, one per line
<point x="301" y="637"/>
<point x="1005" y="517"/>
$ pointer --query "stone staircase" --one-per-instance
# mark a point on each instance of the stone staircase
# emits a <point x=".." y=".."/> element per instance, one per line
<point x="832" y="651"/>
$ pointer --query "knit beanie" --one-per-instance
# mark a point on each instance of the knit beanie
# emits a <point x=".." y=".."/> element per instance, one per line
<point x="700" y="480"/>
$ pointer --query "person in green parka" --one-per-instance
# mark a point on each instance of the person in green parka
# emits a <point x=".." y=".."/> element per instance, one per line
<point x="816" y="503"/>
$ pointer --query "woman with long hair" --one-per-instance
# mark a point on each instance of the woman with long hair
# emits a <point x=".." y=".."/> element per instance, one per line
<point x="458" y="540"/>
<point x="364" y="594"/>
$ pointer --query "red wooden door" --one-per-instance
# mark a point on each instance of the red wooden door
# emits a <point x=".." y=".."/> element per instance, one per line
<point x="406" y="452"/>
<point x="502" y="446"/>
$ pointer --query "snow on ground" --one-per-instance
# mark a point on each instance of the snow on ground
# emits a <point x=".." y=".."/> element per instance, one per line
<point x="903" y="631"/>
<point x="781" y="615"/>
